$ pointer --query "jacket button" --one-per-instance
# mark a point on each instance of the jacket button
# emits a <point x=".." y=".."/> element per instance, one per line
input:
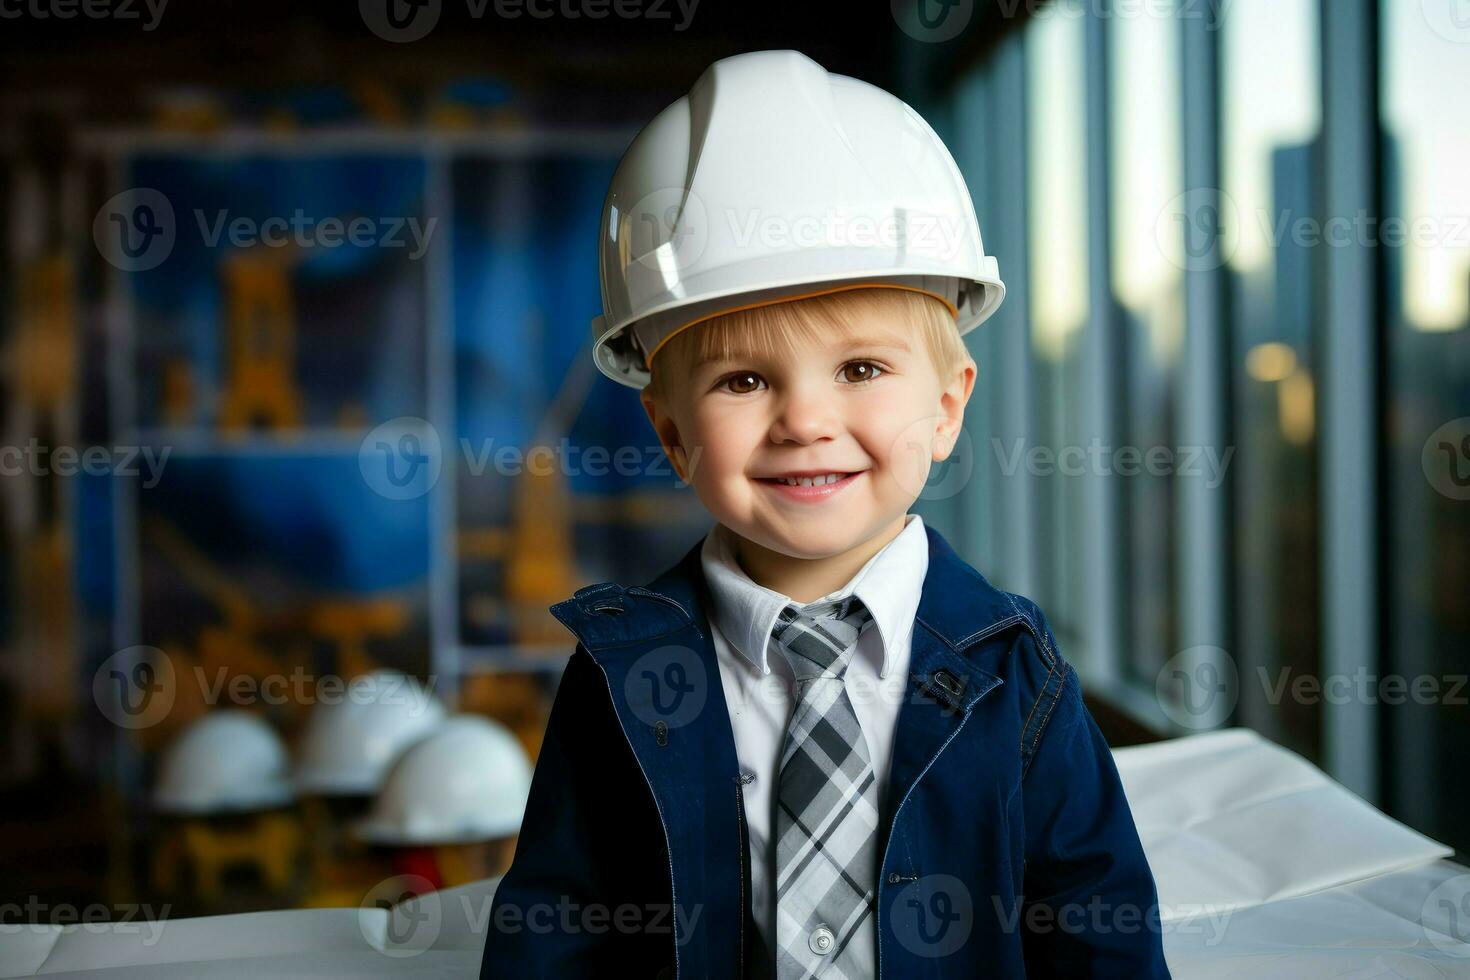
<point x="894" y="877"/>
<point x="821" y="940"/>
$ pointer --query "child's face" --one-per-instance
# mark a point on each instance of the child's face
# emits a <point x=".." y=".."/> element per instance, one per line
<point x="873" y="407"/>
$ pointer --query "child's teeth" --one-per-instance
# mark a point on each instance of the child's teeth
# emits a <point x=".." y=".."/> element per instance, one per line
<point x="812" y="481"/>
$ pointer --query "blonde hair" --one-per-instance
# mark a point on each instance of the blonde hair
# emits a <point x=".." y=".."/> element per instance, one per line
<point x="777" y="327"/>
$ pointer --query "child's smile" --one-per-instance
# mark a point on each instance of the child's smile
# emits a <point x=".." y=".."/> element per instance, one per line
<point x="810" y="488"/>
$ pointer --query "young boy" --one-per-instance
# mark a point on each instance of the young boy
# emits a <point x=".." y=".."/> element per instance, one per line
<point x="821" y="744"/>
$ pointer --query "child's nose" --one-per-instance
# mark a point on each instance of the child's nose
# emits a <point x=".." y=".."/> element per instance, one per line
<point x="805" y="416"/>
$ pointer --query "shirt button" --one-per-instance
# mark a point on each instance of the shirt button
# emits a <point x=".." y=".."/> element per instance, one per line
<point x="821" y="940"/>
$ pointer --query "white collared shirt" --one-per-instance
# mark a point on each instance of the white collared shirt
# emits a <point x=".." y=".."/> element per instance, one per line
<point x="758" y="687"/>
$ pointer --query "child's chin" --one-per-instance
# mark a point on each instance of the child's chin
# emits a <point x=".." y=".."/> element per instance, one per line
<point x="820" y="536"/>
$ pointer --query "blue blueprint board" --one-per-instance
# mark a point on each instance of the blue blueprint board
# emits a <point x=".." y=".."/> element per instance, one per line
<point x="312" y="519"/>
<point x="361" y="310"/>
<point x="526" y="290"/>
<point x="361" y="338"/>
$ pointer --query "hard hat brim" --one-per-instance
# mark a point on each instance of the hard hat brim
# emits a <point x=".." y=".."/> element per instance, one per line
<point x="622" y="353"/>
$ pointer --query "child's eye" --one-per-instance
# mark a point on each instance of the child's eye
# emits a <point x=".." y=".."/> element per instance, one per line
<point x="737" y="379"/>
<point x="744" y="382"/>
<point x="871" y="371"/>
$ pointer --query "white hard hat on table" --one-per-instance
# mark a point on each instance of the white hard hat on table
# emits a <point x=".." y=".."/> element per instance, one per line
<point x="350" y="742"/>
<point x="773" y="180"/>
<point x="227" y="761"/>
<point x="466" y="782"/>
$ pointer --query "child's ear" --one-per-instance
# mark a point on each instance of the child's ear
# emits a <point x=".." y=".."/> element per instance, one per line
<point x="667" y="432"/>
<point x="952" y="402"/>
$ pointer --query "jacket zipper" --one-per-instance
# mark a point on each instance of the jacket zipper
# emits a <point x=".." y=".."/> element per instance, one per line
<point x="668" y="848"/>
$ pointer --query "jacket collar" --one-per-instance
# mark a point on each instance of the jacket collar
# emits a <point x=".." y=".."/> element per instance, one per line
<point x="957" y="604"/>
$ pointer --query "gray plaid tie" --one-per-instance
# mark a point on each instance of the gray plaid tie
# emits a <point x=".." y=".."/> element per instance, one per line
<point x="826" y="803"/>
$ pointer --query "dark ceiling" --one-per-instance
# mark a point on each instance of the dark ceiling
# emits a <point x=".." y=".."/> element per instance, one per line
<point x="619" y="67"/>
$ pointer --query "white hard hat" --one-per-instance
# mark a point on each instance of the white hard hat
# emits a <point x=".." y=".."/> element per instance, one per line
<point x="228" y="760"/>
<point x="773" y="180"/>
<point x="351" y="741"/>
<point x="466" y="782"/>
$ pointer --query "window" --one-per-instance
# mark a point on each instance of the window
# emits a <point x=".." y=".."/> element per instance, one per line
<point x="1425" y="252"/>
<point x="1145" y="275"/>
<point x="1057" y="261"/>
<point x="1270" y="118"/>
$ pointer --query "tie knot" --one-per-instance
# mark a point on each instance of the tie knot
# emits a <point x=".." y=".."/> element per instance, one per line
<point x="819" y="639"/>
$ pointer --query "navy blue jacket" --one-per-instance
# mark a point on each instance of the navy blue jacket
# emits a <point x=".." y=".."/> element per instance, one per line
<point x="1007" y="845"/>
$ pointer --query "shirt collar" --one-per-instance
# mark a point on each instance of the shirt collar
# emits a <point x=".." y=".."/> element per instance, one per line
<point x="889" y="584"/>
